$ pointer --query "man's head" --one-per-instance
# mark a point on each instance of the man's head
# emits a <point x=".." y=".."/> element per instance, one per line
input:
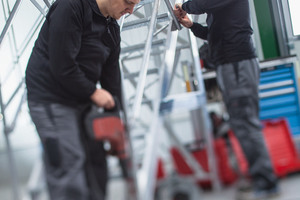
<point x="116" y="8"/>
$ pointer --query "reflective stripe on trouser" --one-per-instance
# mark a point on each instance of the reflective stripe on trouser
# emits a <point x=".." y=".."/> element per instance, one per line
<point x="238" y="83"/>
<point x="67" y="152"/>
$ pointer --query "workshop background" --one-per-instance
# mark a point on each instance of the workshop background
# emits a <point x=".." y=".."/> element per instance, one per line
<point x="175" y="119"/>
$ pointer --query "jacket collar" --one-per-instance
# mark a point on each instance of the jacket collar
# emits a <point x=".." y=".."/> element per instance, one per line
<point x="95" y="7"/>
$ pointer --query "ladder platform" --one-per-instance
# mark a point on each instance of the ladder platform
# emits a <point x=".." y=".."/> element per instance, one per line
<point x="185" y="101"/>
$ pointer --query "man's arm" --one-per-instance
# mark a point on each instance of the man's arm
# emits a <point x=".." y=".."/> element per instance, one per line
<point x="65" y="32"/>
<point x="110" y="79"/>
<point x="199" y="31"/>
<point x="204" y="6"/>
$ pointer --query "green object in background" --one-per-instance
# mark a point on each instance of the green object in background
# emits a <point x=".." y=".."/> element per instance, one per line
<point x="267" y="29"/>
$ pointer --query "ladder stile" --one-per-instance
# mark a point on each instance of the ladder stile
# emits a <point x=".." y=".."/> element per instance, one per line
<point x="145" y="63"/>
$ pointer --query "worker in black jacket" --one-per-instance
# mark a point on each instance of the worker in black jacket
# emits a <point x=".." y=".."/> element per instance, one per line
<point x="78" y="47"/>
<point x="228" y="33"/>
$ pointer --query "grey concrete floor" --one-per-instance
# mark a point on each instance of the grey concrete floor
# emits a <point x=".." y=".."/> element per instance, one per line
<point x="289" y="185"/>
<point x="27" y="152"/>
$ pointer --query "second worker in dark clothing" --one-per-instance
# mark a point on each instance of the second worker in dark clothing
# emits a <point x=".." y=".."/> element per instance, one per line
<point x="231" y="49"/>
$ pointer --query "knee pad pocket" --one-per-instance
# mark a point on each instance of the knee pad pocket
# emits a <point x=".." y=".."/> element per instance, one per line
<point x="241" y="107"/>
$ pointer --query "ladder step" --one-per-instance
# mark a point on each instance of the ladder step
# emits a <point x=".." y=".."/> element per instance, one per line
<point x="139" y="47"/>
<point x="144" y="22"/>
<point x="135" y="74"/>
<point x="185" y="101"/>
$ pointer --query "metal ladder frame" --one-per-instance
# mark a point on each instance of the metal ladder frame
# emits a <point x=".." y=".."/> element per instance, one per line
<point x="145" y="175"/>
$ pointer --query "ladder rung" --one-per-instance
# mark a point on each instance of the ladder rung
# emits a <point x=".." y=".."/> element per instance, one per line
<point x="139" y="137"/>
<point x="139" y="47"/>
<point x="144" y="102"/>
<point x="155" y="52"/>
<point x="135" y="74"/>
<point x="144" y="2"/>
<point x="144" y="22"/>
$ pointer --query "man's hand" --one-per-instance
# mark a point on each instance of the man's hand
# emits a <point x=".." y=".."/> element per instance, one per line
<point x="182" y="16"/>
<point x="103" y="98"/>
<point x="178" y="11"/>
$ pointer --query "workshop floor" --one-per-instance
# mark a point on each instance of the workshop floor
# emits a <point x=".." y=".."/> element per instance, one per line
<point x="26" y="154"/>
<point x="290" y="185"/>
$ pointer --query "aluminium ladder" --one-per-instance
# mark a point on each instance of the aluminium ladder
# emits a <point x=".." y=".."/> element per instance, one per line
<point x="149" y="65"/>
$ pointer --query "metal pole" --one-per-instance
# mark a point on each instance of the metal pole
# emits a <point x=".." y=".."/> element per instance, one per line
<point x="47" y="3"/>
<point x="280" y="28"/>
<point x="145" y="63"/>
<point x="12" y="166"/>
<point x="37" y="5"/>
<point x="9" y="20"/>
<point x="175" y="21"/>
<point x="169" y="61"/>
<point x="147" y="175"/>
<point x="207" y="130"/>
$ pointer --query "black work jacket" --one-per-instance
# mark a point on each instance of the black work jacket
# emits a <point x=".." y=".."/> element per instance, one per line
<point x="228" y="28"/>
<point x="76" y="47"/>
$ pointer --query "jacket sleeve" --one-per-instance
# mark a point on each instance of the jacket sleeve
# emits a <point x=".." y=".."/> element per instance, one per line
<point x="111" y="76"/>
<point x="199" y="30"/>
<point x="65" y="31"/>
<point x="204" y="6"/>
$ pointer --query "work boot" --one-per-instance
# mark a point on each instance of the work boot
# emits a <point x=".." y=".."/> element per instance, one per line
<point x="244" y="185"/>
<point x="268" y="194"/>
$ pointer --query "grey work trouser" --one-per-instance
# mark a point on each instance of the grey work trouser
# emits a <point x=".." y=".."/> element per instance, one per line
<point x="238" y="83"/>
<point x="75" y="166"/>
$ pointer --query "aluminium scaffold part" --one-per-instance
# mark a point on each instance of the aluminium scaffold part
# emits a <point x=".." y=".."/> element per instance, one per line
<point x="163" y="103"/>
<point x="19" y="93"/>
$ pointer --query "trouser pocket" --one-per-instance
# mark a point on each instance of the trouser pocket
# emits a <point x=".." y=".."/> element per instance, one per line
<point x="52" y="151"/>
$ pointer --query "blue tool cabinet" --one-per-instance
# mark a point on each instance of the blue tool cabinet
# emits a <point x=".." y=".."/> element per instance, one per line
<point x="279" y="95"/>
